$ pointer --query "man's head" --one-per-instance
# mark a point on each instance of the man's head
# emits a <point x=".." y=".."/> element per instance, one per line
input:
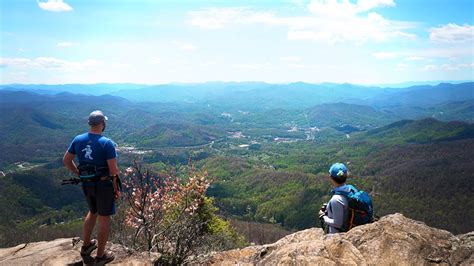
<point x="338" y="173"/>
<point x="97" y="119"/>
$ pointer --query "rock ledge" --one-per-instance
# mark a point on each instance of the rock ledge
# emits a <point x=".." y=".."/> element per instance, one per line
<point x="394" y="240"/>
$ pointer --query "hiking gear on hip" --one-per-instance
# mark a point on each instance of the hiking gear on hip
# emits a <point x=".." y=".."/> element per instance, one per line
<point x="91" y="171"/>
<point x="72" y="181"/>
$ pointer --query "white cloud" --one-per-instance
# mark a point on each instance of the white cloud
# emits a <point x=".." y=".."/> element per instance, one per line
<point x="5" y="62"/>
<point x="290" y="59"/>
<point x="427" y="53"/>
<point x="296" y="66"/>
<point x="18" y="77"/>
<point x="446" y="67"/>
<point x="451" y="33"/>
<point x="247" y="66"/>
<point x="429" y="68"/>
<point x="384" y="55"/>
<point x="54" y="5"/>
<point x="402" y="67"/>
<point x="155" y="61"/>
<point x="48" y="63"/>
<point x="184" y="46"/>
<point x="65" y="44"/>
<point x="466" y="65"/>
<point x="328" y="21"/>
<point x="298" y="3"/>
<point x="342" y="9"/>
<point x="251" y="66"/>
<point x="445" y="52"/>
<point x="364" y="5"/>
<point x="352" y="28"/>
<point x="120" y="65"/>
<point x="217" y="18"/>
<point x="414" y="58"/>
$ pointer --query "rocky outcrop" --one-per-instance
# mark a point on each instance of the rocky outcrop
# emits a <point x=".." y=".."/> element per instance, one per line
<point x="65" y="251"/>
<point x="393" y="240"/>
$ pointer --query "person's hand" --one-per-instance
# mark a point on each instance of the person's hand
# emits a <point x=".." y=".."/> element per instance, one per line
<point x="324" y="207"/>
<point x="321" y="214"/>
<point x="116" y="188"/>
<point x="117" y="194"/>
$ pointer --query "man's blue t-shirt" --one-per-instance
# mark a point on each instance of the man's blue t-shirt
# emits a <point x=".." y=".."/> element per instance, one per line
<point x="93" y="148"/>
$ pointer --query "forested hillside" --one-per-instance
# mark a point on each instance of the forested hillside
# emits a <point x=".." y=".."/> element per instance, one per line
<point x="404" y="172"/>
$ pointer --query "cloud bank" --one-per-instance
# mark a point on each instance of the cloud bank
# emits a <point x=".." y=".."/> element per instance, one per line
<point x="54" y="6"/>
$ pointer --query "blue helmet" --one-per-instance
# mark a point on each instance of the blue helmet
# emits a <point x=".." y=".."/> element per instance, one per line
<point x="338" y="170"/>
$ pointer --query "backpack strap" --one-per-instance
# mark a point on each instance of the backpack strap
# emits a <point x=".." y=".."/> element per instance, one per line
<point x="348" y="224"/>
<point x="352" y="189"/>
<point x="351" y="219"/>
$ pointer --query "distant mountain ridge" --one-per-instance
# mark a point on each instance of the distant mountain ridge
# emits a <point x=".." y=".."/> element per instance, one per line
<point x="424" y="130"/>
<point x="259" y="95"/>
<point x="341" y="114"/>
<point x="87" y="89"/>
<point x="427" y="95"/>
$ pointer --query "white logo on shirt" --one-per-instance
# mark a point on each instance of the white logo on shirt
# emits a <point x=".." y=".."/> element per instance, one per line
<point x="88" y="151"/>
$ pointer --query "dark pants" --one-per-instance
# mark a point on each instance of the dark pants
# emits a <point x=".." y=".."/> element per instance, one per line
<point x="100" y="196"/>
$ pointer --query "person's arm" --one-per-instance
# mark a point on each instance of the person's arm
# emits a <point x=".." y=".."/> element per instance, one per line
<point x="113" y="167"/>
<point x="337" y="209"/>
<point x="114" y="171"/>
<point x="68" y="161"/>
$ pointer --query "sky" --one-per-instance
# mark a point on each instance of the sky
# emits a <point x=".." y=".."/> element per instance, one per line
<point x="156" y="42"/>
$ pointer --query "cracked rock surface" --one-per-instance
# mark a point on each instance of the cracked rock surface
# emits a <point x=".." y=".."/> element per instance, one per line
<point x="65" y="251"/>
<point x="394" y="240"/>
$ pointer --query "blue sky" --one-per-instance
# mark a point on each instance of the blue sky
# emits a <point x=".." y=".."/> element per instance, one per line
<point x="154" y="42"/>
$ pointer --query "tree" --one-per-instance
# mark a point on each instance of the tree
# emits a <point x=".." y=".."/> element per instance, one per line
<point x="173" y="216"/>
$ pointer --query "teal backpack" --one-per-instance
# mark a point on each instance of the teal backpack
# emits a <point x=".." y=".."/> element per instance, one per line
<point x="360" y="208"/>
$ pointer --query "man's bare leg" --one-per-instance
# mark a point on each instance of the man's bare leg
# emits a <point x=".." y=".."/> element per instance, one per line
<point x="103" y="234"/>
<point x="89" y="223"/>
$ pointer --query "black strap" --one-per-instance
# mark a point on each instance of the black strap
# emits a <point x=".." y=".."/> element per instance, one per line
<point x="90" y="171"/>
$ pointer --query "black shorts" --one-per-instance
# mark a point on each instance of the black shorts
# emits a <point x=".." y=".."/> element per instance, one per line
<point x="100" y="197"/>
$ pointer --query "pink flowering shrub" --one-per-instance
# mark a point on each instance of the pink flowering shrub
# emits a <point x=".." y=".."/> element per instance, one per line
<point x="171" y="215"/>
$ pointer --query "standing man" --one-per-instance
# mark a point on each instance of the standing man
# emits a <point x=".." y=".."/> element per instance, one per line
<point x="98" y="172"/>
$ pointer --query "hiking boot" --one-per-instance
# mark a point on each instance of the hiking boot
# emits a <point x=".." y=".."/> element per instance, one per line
<point x="106" y="258"/>
<point x="87" y="250"/>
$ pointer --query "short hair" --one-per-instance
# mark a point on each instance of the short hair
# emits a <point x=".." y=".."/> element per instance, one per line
<point x="339" y="179"/>
<point x="96" y="118"/>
